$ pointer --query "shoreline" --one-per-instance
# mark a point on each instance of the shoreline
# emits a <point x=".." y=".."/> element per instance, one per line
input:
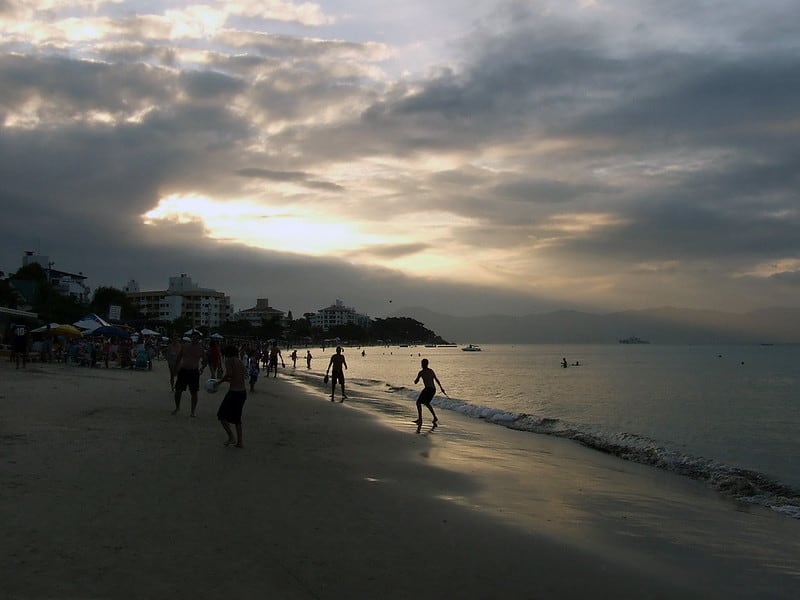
<point x="106" y="495"/>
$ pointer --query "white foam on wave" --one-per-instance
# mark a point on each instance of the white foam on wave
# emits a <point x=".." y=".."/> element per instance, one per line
<point x="743" y="484"/>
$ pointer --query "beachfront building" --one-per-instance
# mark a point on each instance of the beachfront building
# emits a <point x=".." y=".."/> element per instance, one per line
<point x="261" y="313"/>
<point x="338" y="314"/>
<point x="63" y="282"/>
<point x="182" y="299"/>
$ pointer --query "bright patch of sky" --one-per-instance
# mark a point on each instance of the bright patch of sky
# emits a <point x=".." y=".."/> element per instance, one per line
<point x="573" y="149"/>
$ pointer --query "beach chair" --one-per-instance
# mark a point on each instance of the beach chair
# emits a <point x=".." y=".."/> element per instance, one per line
<point x="142" y="360"/>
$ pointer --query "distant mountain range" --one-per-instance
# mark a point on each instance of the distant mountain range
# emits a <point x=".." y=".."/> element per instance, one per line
<point x="665" y="325"/>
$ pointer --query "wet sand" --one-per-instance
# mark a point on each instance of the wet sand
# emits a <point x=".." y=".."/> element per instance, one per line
<point x="105" y="494"/>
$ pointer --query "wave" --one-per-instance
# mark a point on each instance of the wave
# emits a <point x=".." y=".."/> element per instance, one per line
<point x="745" y="485"/>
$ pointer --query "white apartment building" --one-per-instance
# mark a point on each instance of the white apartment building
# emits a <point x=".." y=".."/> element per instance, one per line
<point x="260" y="313"/>
<point x="338" y="314"/>
<point x="67" y="284"/>
<point x="183" y="298"/>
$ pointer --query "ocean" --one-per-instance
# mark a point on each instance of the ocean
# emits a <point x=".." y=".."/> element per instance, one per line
<point x="726" y="415"/>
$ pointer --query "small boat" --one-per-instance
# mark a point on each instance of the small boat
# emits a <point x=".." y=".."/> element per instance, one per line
<point x="633" y="340"/>
<point x="471" y="348"/>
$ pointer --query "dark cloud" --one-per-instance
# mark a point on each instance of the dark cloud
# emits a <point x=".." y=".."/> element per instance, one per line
<point x="393" y="251"/>
<point x="292" y="176"/>
<point x="603" y="148"/>
<point x="787" y="277"/>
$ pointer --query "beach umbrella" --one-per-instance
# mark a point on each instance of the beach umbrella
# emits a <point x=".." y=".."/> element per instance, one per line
<point x="193" y="331"/>
<point x="109" y="331"/>
<point x="90" y="322"/>
<point x="146" y="331"/>
<point x="58" y="329"/>
<point x="216" y="336"/>
<point x="66" y="330"/>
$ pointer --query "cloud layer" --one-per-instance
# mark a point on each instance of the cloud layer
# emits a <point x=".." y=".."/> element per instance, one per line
<point x="522" y="157"/>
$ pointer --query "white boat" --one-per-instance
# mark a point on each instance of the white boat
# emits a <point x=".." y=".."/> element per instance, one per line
<point x="472" y="348"/>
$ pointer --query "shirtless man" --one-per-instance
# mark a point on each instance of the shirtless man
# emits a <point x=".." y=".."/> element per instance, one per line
<point x="230" y="410"/>
<point x="274" y="355"/>
<point x="426" y="395"/>
<point x="189" y="360"/>
<point x="172" y="359"/>
<point x="339" y="364"/>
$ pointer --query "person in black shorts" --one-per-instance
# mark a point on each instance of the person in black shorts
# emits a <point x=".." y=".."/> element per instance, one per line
<point x="189" y="360"/>
<point x="230" y="409"/>
<point x="426" y="395"/>
<point x="339" y="365"/>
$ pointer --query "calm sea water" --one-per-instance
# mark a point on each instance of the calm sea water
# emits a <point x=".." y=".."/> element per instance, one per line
<point x="729" y="415"/>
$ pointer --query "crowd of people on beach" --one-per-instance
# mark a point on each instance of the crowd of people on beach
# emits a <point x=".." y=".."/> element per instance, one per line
<point x="239" y="363"/>
<point x="242" y="364"/>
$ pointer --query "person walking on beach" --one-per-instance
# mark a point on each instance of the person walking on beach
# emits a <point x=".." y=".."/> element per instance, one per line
<point x="189" y="360"/>
<point x="214" y="359"/>
<point x="230" y="409"/>
<point x="172" y="351"/>
<point x="274" y="355"/>
<point x="339" y="365"/>
<point x="293" y="356"/>
<point x="253" y="370"/>
<point x="308" y="359"/>
<point x="426" y="395"/>
<point x="19" y="349"/>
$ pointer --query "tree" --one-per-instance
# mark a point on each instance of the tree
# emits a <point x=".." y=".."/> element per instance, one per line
<point x="242" y="328"/>
<point x="181" y="325"/>
<point x="271" y="328"/>
<point x="50" y="305"/>
<point x="403" y="330"/>
<point x="299" y="329"/>
<point x="7" y="296"/>
<point x="104" y="297"/>
<point x="349" y="332"/>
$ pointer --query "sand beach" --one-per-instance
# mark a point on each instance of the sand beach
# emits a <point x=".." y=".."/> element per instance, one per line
<point x="105" y="494"/>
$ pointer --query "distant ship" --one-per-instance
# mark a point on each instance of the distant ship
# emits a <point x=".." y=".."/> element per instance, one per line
<point x="633" y="340"/>
<point x="471" y="348"/>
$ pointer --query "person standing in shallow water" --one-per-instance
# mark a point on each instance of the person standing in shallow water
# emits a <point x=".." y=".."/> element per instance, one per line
<point x="230" y="409"/>
<point x="339" y="365"/>
<point x="308" y="359"/>
<point x="426" y="395"/>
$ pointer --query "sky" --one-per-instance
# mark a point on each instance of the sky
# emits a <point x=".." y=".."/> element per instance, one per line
<point x="467" y="157"/>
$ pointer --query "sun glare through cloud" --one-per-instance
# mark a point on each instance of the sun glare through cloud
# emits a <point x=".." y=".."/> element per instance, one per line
<point x="601" y="154"/>
<point x="259" y="226"/>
